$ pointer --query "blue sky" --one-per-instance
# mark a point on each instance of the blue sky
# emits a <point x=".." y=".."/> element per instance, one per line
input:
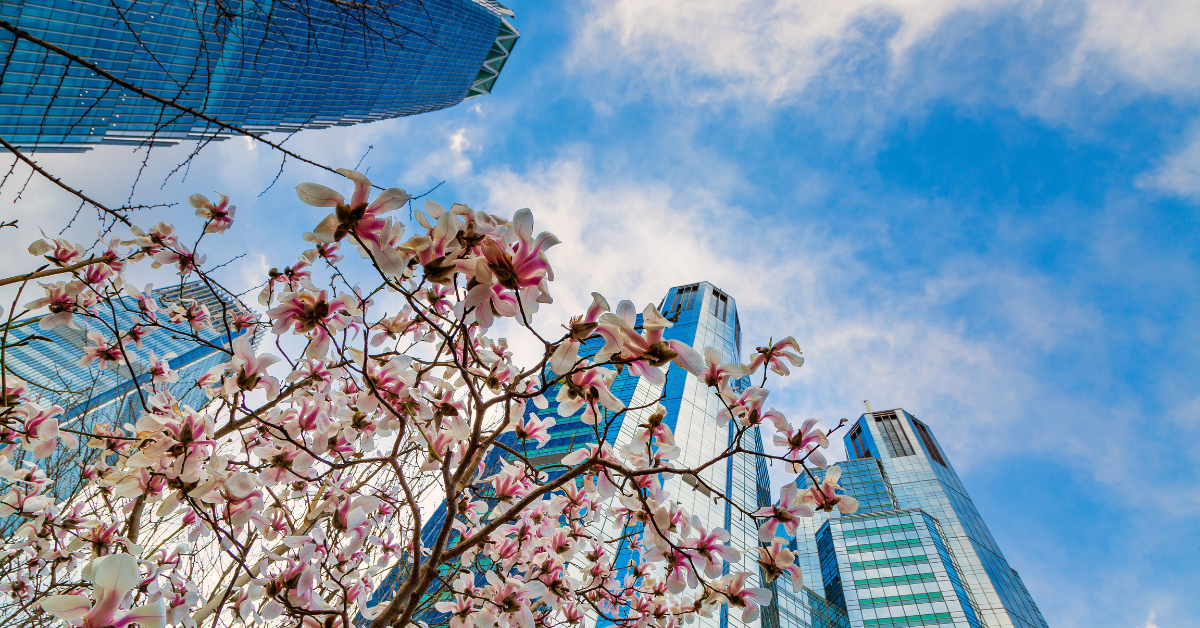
<point x="984" y="212"/>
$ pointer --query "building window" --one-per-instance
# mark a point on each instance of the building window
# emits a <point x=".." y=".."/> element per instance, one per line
<point x="927" y="439"/>
<point x="897" y="442"/>
<point x="684" y="297"/>
<point x="860" y="447"/>
<point x="720" y="305"/>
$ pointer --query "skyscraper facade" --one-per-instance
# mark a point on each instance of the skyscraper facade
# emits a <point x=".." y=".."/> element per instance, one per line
<point x="922" y="478"/>
<point x="48" y="360"/>
<point x="258" y="65"/>
<point x="916" y="552"/>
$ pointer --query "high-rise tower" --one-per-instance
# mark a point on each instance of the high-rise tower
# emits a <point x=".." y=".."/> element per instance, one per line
<point x="922" y="478"/>
<point x="258" y="65"/>
<point x="48" y="360"/>
<point x="916" y="552"/>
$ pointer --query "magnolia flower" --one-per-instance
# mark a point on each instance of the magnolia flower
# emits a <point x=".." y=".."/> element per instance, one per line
<point x="219" y="216"/>
<point x="195" y="315"/>
<point x="41" y="428"/>
<point x="249" y="370"/>
<point x="524" y="264"/>
<point x="489" y="301"/>
<point x="711" y="550"/>
<point x="181" y="256"/>
<point x="791" y="507"/>
<point x="533" y="429"/>
<point x="146" y="303"/>
<point x="801" y="444"/>
<point x="744" y="407"/>
<point x="59" y="251"/>
<point x="778" y="560"/>
<point x="508" y="602"/>
<point x="733" y="587"/>
<point x="314" y="314"/>
<point x="60" y="300"/>
<point x="774" y="356"/>
<point x="112" y="577"/>
<point x="582" y="328"/>
<point x="160" y="370"/>
<point x="715" y="374"/>
<point x="108" y="354"/>
<point x="355" y="217"/>
<point x="644" y="353"/>
<point x="590" y="388"/>
<point x="825" y="495"/>
<point x="152" y="242"/>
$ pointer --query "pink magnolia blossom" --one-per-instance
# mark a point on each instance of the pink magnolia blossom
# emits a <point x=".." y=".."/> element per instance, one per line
<point x="59" y="251"/>
<point x="711" y="551"/>
<point x="113" y="577"/>
<point x="774" y="356"/>
<point x="788" y="512"/>
<point x="60" y="300"/>
<point x="109" y="355"/>
<point x="195" y="315"/>
<point x="95" y="274"/>
<point x="219" y="215"/>
<point x="582" y="328"/>
<point x="588" y="388"/>
<point x="357" y="217"/>
<point x="644" y="354"/>
<point x="490" y="301"/>
<point x="522" y="263"/>
<point x="249" y="370"/>
<point x="41" y="428"/>
<point x="715" y="374"/>
<point x="135" y="335"/>
<point x="508" y="602"/>
<point x="777" y="560"/>
<point x="825" y="496"/>
<point x="160" y="370"/>
<point x="801" y="444"/>
<point x="744" y="407"/>
<point x="733" y="587"/>
<point x="147" y="306"/>
<point x="534" y="429"/>
<point x="180" y="256"/>
<point x="316" y="315"/>
<point x="153" y="242"/>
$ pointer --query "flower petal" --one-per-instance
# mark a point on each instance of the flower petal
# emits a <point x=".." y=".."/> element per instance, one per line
<point x="67" y="607"/>
<point x="318" y="195"/>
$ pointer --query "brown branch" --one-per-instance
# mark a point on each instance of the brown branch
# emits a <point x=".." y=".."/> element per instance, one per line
<point x="56" y="271"/>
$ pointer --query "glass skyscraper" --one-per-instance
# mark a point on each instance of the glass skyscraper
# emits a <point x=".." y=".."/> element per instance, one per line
<point x="916" y="553"/>
<point x="255" y="64"/>
<point x="48" y="360"/>
<point x="922" y="478"/>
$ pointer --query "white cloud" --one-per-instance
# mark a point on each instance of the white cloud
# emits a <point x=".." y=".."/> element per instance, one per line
<point x="447" y="160"/>
<point x="1179" y="173"/>
<point x="989" y="381"/>
<point x="1150" y="41"/>
<point x="774" y="50"/>
<point x="629" y="239"/>
<point x="1151" y="620"/>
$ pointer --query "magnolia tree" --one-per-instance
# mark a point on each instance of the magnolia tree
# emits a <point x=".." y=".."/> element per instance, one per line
<point x="310" y="475"/>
